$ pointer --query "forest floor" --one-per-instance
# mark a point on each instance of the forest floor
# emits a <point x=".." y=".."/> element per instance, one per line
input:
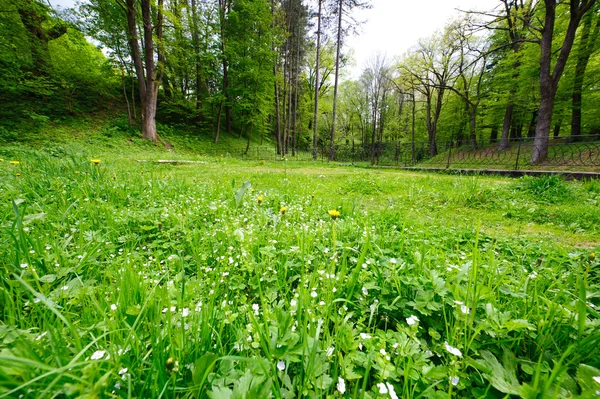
<point x="145" y="279"/>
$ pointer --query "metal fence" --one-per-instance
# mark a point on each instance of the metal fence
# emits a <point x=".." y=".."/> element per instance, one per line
<point x="562" y="152"/>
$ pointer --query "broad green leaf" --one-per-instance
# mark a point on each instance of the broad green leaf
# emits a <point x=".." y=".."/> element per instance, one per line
<point x="203" y="367"/>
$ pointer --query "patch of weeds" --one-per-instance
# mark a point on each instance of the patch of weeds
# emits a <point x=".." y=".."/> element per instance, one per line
<point x="362" y="185"/>
<point x="549" y="189"/>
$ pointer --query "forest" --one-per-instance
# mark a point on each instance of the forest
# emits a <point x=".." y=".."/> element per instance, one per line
<point x="182" y="216"/>
<point x="251" y="68"/>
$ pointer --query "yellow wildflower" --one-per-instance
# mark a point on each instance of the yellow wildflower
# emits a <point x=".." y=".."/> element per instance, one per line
<point x="14" y="162"/>
<point x="259" y="199"/>
<point x="96" y="161"/>
<point x="282" y="210"/>
<point x="334" y="213"/>
<point x="172" y="365"/>
<point x="592" y="256"/>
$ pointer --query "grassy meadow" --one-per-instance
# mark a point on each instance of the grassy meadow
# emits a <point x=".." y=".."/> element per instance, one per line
<point x="227" y="279"/>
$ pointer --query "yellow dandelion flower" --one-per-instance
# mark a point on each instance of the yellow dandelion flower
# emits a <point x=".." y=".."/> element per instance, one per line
<point x="282" y="210"/>
<point x="592" y="256"/>
<point x="334" y="213"/>
<point x="14" y="162"/>
<point x="259" y="199"/>
<point x="96" y="161"/>
<point x="172" y="365"/>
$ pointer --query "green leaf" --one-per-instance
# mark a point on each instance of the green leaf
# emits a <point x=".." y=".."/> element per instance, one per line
<point x="33" y="217"/>
<point x="220" y="393"/>
<point x="239" y="194"/>
<point x="203" y="367"/>
<point x="501" y="376"/>
<point x="585" y="378"/>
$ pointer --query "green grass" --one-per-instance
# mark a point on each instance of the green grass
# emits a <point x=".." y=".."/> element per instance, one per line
<point x="128" y="279"/>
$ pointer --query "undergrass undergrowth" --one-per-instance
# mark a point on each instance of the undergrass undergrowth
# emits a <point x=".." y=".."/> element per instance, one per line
<point x="128" y="279"/>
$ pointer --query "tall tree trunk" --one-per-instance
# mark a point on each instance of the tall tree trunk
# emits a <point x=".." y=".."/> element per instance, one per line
<point x="129" y="115"/>
<point x="219" y="114"/>
<point x="276" y="88"/>
<point x="335" y="84"/>
<point x="317" y="66"/>
<point x="586" y="47"/>
<point x="557" y="127"/>
<point x="494" y="135"/>
<point x="412" y="131"/>
<point x="223" y="7"/>
<point x="549" y="77"/>
<point x="373" y="133"/>
<point x="149" y="118"/>
<point x="196" y="44"/>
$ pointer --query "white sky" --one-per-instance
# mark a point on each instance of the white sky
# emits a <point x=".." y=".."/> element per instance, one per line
<point x="393" y="26"/>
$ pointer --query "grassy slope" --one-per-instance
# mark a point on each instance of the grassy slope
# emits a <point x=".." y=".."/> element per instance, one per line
<point x="149" y="237"/>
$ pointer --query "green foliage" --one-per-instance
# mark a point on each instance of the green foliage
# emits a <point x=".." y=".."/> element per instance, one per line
<point x="192" y="292"/>
<point x="549" y="188"/>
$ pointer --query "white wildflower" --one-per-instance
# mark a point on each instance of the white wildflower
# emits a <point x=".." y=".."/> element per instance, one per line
<point x="452" y="350"/>
<point x="365" y="291"/>
<point x="185" y="312"/>
<point x="113" y="307"/>
<point x="365" y="336"/>
<point x="98" y="355"/>
<point x="533" y="275"/>
<point x="341" y="385"/>
<point x="330" y="351"/>
<point x="313" y="294"/>
<point x="412" y="320"/>
<point x="281" y="366"/>
<point x="454" y="380"/>
<point x="465" y="309"/>
<point x="382" y="388"/>
<point x="255" y="307"/>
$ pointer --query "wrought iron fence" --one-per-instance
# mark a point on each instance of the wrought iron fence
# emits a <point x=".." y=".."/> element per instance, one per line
<point x="562" y="152"/>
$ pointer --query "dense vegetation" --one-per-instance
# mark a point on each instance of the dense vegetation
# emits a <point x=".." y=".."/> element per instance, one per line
<point x="249" y="68"/>
<point x="206" y="277"/>
<point x="127" y="279"/>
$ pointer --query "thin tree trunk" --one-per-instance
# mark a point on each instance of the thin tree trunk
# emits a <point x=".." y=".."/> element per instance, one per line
<point x="412" y="132"/>
<point x="317" y="66"/>
<point x="586" y="47"/>
<point x="129" y="117"/>
<point x="219" y="114"/>
<point x="196" y="44"/>
<point x="335" y="84"/>
<point x="504" y="140"/>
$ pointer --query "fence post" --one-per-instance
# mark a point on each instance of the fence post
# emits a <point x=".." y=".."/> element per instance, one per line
<point x="518" y="155"/>
<point x="449" y="154"/>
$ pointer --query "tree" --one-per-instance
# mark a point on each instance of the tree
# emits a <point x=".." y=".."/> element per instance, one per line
<point x="550" y="76"/>
<point x="433" y="65"/>
<point x="587" y="45"/>
<point x="317" y="67"/>
<point x="340" y="10"/>
<point x="375" y="79"/>
<point x="471" y="60"/>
